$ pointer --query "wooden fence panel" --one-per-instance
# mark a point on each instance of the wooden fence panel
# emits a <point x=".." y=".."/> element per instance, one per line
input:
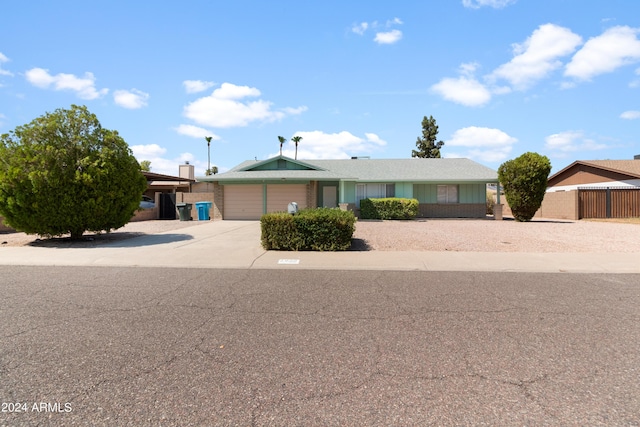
<point x="593" y="203"/>
<point x="625" y="203"/>
<point x="609" y="202"/>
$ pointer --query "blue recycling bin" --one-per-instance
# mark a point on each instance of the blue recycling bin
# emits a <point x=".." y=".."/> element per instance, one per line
<point x="203" y="210"/>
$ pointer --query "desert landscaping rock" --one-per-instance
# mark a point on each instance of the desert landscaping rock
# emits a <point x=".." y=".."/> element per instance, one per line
<point x="465" y="235"/>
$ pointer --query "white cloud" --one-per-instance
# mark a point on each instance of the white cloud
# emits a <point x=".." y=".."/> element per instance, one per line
<point x="172" y="166"/>
<point x="159" y="164"/>
<point x="2" y="117"/>
<point x="538" y="56"/>
<point x="131" y="99"/>
<point x="463" y="90"/>
<point x="571" y="141"/>
<point x="630" y="115"/>
<point x="360" y="28"/>
<point x="3" y="59"/>
<point x="477" y="4"/>
<point x="616" y="47"/>
<point x="231" y="91"/>
<point x="341" y="145"/>
<point x="225" y="108"/>
<point x="382" y="36"/>
<point x="195" y="132"/>
<point x="149" y="150"/>
<point x="84" y="87"/>
<point x="480" y="143"/>
<point x="388" y="37"/>
<point x="195" y="86"/>
<point x="295" y="111"/>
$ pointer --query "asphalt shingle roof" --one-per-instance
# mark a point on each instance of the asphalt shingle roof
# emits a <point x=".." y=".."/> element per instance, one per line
<point x="631" y="167"/>
<point x="371" y="170"/>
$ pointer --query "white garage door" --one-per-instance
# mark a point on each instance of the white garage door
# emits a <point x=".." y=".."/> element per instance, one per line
<point x="280" y="195"/>
<point x="242" y="201"/>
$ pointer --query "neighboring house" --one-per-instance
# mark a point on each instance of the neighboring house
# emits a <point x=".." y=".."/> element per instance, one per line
<point x="453" y="188"/>
<point x="594" y="189"/>
<point x="159" y="183"/>
<point x="166" y="191"/>
<point x="596" y="173"/>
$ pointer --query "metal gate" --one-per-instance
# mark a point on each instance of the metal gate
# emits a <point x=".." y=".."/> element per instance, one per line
<point x="609" y="202"/>
<point x="167" y="206"/>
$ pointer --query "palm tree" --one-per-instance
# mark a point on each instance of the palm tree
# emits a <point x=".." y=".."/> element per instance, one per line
<point x="282" y="140"/>
<point x="296" y="139"/>
<point x="208" y="138"/>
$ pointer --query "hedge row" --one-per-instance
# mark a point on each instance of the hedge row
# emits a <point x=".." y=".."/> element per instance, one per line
<point x="388" y="208"/>
<point x="321" y="229"/>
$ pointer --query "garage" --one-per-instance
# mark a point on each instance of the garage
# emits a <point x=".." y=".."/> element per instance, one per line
<point x="246" y="201"/>
<point x="242" y="201"/>
<point x="280" y="195"/>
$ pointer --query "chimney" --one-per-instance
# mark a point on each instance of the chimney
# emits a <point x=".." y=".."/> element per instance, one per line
<point x="187" y="171"/>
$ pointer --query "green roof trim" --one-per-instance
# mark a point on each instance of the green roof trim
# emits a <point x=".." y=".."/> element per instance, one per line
<point x="276" y="163"/>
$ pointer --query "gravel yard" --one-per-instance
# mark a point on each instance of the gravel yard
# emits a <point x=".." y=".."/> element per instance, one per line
<point x="487" y="235"/>
<point x="474" y="235"/>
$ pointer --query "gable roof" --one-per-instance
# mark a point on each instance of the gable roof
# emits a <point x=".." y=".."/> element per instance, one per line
<point x="363" y="170"/>
<point x="249" y="165"/>
<point x="631" y="168"/>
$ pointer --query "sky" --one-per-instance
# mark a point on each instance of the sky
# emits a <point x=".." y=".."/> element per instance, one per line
<point x="500" y="77"/>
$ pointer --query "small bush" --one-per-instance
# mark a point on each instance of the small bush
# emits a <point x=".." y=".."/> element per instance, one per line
<point x="490" y="203"/>
<point x="321" y="229"/>
<point x="388" y="208"/>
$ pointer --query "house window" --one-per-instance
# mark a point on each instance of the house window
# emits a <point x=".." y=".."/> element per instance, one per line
<point x="374" y="191"/>
<point x="447" y="194"/>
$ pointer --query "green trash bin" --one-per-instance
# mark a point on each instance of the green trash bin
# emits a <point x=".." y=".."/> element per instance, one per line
<point x="203" y="210"/>
<point x="184" y="210"/>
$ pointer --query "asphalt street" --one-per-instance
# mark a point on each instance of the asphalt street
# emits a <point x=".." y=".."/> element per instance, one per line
<point x="224" y="347"/>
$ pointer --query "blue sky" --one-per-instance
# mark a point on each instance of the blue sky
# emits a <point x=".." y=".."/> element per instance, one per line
<point x="501" y="77"/>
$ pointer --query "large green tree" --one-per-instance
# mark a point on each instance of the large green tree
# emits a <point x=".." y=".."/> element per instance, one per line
<point x="427" y="147"/>
<point x="524" y="180"/>
<point x="63" y="173"/>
